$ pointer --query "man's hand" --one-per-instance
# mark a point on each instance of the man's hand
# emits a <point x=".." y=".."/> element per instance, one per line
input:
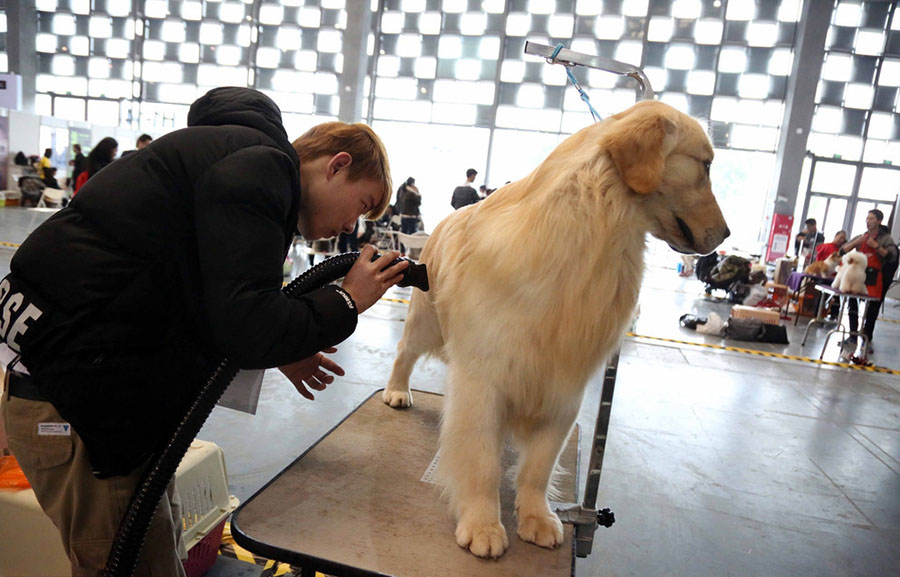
<point x="872" y="242"/>
<point x="311" y="373"/>
<point x="367" y="282"/>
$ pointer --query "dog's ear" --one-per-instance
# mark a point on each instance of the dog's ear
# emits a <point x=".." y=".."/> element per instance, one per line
<point x="638" y="144"/>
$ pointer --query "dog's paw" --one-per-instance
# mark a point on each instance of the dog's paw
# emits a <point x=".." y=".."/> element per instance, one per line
<point x="483" y="540"/>
<point x="545" y="531"/>
<point x="397" y="399"/>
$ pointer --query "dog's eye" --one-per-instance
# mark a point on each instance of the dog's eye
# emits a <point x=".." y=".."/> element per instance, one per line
<point x="706" y="166"/>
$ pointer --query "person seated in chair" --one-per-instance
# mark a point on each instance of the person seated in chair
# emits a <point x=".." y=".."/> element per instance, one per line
<point x="50" y="177"/>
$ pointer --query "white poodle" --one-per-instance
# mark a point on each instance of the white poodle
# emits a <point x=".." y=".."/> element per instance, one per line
<point x="851" y="275"/>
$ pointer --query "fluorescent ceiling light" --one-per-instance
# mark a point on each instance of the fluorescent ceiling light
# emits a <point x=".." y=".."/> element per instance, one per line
<point x="708" y="31"/>
<point x="660" y="29"/>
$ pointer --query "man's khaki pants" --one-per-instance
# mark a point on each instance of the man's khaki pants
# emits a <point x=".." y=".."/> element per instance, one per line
<point x="86" y="510"/>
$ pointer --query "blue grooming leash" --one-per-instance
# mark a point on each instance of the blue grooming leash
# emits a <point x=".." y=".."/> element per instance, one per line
<point x="574" y="82"/>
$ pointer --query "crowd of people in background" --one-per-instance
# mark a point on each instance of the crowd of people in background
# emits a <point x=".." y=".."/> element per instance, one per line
<point x="83" y="167"/>
<point x="407" y="204"/>
<point x="404" y="215"/>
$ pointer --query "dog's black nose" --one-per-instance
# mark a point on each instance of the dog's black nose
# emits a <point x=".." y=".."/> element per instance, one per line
<point x="727" y="231"/>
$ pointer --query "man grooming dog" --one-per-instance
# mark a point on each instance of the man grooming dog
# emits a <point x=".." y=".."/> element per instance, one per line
<point x="522" y="329"/>
<point x="123" y="303"/>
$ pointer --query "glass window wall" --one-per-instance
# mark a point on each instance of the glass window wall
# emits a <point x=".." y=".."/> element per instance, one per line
<point x="457" y="69"/>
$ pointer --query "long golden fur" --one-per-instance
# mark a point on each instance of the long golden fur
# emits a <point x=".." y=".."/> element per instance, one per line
<point x="531" y="290"/>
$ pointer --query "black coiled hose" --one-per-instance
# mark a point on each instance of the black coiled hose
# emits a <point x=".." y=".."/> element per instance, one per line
<point x="133" y="530"/>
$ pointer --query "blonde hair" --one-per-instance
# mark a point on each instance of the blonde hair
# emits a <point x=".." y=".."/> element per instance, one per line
<point x="361" y="143"/>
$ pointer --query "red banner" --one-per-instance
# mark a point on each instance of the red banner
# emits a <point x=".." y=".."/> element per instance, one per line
<point x="779" y="236"/>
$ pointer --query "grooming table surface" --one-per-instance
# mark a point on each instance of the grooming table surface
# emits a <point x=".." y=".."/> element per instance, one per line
<point x="356" y="504"/>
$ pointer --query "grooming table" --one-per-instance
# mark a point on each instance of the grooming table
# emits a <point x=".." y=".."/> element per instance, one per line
<point x="799" y="284"/>
<point x="356" y="503"/>
<point x="360" y="503"/>
<point x="839" y="328"/>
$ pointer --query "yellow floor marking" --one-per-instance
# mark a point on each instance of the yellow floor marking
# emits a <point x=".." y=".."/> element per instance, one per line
<point x="404" y="301"/>
<point x="870" y="368"/>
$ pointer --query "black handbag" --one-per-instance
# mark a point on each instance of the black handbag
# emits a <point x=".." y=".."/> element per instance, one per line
<point x="774" y="334"/>
<point x="690" y="321"/>
<point x="755" y="330"/>
<point x="743" y="329"/>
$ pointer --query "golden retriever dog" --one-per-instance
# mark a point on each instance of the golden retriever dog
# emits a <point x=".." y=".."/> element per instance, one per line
<point x="825" y="267"/>
<point x="532" y="289"/>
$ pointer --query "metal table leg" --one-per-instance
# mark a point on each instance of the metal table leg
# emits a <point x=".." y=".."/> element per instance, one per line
<point x="585" y="516"/>
<point x="816" y="320"/>
<point x="838" y="329"/>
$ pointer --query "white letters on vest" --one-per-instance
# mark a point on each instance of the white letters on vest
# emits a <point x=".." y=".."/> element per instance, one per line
<point x="13" y="324"/>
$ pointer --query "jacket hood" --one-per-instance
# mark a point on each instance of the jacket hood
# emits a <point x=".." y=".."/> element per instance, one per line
<point x="243" y="107"/>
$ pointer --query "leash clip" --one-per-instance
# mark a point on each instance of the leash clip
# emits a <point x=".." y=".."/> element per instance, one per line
<point x="552" y="59"/>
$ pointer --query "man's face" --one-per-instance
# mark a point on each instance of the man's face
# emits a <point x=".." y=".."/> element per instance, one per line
<point x="811" y="229"/>
<point x="331" y="204"/>
<point x="840" y="238"/>
<point x="872" y="222"/>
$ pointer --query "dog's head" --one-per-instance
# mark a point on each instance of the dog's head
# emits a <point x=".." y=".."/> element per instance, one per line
<point x="855" y="258"/>
<point x="664" y="155"/>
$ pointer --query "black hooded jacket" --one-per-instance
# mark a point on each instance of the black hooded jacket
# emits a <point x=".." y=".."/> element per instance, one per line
<point x="166" y="261"/>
